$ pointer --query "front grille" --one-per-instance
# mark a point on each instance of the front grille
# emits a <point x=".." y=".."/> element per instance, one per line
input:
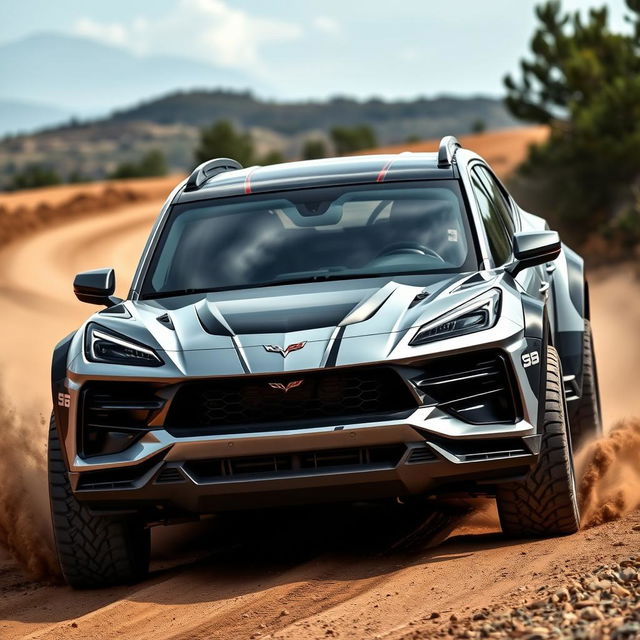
<point x="216" y="469"/>
<point x="247" y="403"/>
<point x="474" y="387"/>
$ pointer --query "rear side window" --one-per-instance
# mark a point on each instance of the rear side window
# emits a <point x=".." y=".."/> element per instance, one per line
<point x="502" y="206"/>
<point x="493" y="213"/>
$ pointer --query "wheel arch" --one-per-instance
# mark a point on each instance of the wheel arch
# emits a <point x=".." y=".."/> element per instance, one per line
<point x="570" y="309"/>
<point x="59" y="391"/>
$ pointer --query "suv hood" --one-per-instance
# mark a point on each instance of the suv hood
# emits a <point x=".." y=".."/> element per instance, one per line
<point x="262" y="330"/>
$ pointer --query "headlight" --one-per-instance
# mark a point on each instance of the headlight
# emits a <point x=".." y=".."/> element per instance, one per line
<point x="475" y="315"/>
<point x="104" y="345"/>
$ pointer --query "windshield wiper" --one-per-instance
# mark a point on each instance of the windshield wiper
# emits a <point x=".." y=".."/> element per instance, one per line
<point x="272" y="283"/>
<point x="325" y="277"/>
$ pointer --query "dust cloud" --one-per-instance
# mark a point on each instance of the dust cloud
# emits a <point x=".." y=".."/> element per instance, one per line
<point x="25" y="530"/>
<point x="609" y="474"/>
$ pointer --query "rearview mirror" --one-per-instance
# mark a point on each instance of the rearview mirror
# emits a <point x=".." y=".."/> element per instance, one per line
<point x="531" y="248"/>
<point x="96" y="287"/>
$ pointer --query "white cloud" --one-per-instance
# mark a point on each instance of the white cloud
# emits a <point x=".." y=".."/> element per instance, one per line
<point x="110" y="33"/>
<point x="327" y="25"/>
<point x="209" y="30"/>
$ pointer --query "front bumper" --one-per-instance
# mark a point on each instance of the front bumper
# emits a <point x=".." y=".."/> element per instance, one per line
<point x="358" y="462"/>
<point x="428" y="450"/>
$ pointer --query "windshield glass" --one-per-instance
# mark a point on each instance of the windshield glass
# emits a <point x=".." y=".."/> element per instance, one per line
<point x="312" y="234"/>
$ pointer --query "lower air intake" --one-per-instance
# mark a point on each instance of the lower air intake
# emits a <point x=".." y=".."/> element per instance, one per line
<point x="474" y="387"/>
<point x="357" y="458"/>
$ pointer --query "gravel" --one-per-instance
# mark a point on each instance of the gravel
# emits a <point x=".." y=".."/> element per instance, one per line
<point x="600" y="605"/>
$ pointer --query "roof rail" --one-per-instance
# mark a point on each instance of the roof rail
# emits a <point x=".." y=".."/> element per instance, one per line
<point x="209" y="169"/>
<point x="447" y="150"/>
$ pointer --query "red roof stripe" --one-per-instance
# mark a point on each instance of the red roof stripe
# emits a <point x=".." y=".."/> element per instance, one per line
<point x="383" y="171"/>
<point x="247" y="179"/>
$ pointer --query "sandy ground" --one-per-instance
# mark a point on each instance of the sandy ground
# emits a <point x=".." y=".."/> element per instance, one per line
<point x="347" y="573"/>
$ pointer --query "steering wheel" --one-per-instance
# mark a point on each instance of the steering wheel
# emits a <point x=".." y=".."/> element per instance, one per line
<point x="409" y="247"/>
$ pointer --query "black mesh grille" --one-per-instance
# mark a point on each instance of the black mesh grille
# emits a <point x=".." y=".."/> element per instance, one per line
<point x="240" y="404"/>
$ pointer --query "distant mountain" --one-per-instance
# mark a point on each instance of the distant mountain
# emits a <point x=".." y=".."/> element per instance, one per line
<point x="84" y="77"/>
<point x="393" y="120"/>
<point x="20" y="117"/>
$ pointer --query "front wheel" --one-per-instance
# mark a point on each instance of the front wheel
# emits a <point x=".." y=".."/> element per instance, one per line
<point x="93" y="551"/>
<point x="545" y="504"/>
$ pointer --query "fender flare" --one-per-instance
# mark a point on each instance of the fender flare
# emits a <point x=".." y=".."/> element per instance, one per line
<point x="578" y="290"/>
<point x="58" y="384"/>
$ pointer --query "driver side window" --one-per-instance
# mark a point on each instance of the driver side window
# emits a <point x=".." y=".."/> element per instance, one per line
<point x="497" y="234"/>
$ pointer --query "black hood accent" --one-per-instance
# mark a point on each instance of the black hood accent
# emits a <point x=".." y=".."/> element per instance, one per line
<point x="281" y="314"/>
<point x="288" y="320"/>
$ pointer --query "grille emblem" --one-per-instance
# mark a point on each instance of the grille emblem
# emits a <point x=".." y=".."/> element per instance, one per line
<point x="285" y="387"/>
<point x="274" y="348"/>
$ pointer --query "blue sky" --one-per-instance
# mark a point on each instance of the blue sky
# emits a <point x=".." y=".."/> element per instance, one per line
<point x="313" y="48"/>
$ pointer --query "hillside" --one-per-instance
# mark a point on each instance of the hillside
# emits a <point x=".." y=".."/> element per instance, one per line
<point x="171" y="124"/>
<point x="393" y="121"/>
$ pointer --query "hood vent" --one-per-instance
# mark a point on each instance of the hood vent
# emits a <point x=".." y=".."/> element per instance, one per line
<point x="165" y="320"/>
<point x="423" y="295"/>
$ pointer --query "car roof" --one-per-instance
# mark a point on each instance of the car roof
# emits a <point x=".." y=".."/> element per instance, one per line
<point x="321" y="173"/>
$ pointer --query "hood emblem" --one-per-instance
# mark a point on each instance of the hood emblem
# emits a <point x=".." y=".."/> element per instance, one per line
<point x="285" y="387"/>
<point x="274" y="348"/>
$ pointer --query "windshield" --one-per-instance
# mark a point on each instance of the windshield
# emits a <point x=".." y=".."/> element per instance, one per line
<point x="312" y="234"/>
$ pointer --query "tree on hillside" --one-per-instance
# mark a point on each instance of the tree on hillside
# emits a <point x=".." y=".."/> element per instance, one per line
<point x="153" y="163"/>
<point x="221" y="140"/>
<point x="478" y="126"/>
<point x="583" y="80"/>
<point x="314" y="148"/>
<point x="350" y="139"/>
<point x="34" y="176"/>
<point x="271" y="157"/>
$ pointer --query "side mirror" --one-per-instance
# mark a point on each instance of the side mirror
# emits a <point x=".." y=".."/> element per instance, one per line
<point x="96" y="287"/>
<point x="531" y="248"/>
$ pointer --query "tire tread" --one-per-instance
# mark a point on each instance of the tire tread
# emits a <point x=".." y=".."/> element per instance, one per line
<point x="93" y="551"/>
<point x="545" y="504"/>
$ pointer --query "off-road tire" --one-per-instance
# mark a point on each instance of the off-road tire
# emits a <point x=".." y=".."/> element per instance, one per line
<point x="93" y="551"/>
<point x="586" y="418"/>
<point x="545" y="504"/>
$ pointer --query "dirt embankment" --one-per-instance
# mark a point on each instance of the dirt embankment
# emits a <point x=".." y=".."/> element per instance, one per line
<point x="24" y="212"/>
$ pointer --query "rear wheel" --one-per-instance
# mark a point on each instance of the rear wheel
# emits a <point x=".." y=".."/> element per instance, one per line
<point x="545" y="504"/>
<point x="586" y="421"/>
<point x="93" y="551"/>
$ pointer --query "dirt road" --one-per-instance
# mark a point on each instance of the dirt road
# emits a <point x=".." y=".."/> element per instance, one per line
<point x="347" y="574"/>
